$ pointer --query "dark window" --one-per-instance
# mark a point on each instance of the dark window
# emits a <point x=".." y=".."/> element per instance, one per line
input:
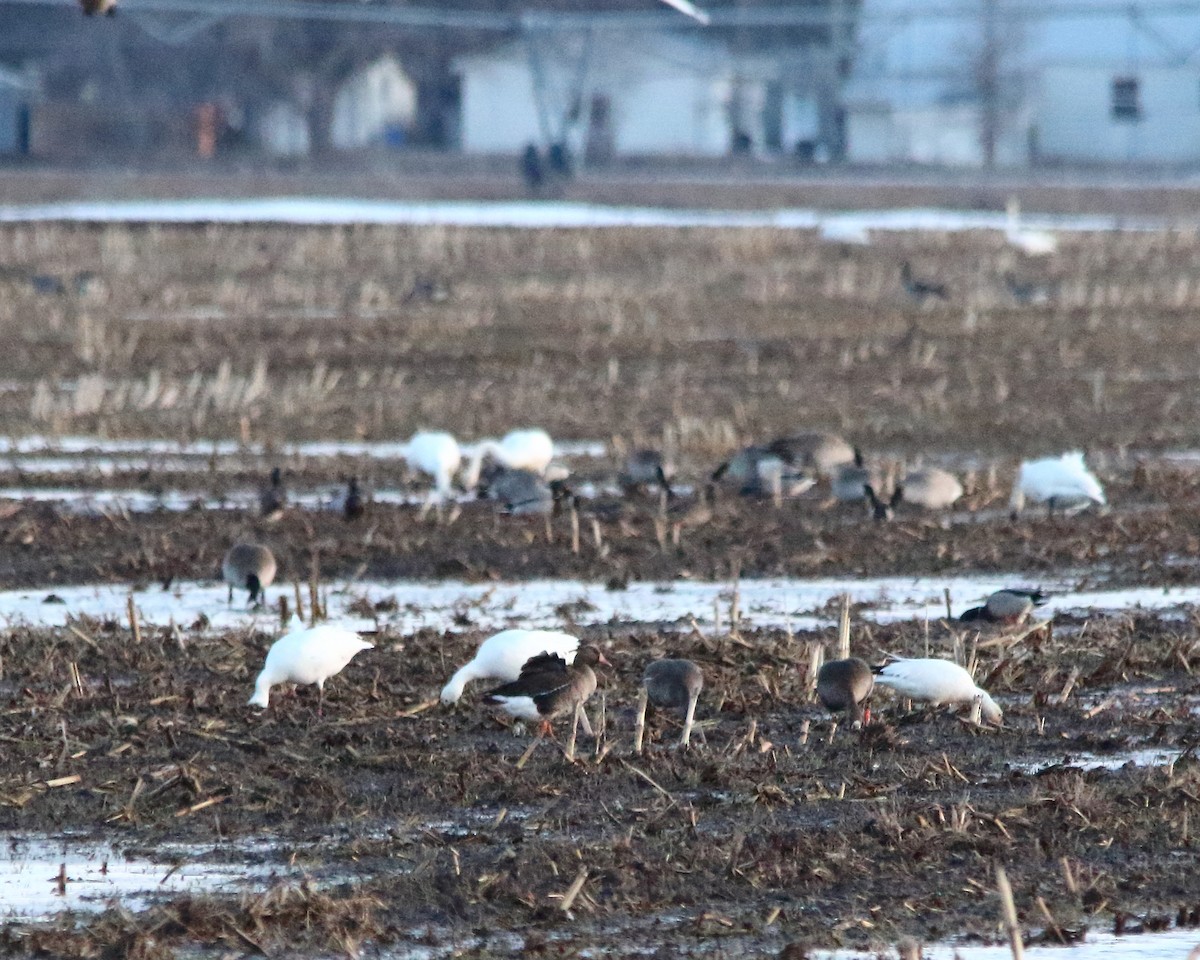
<point x="1126" y="102"/>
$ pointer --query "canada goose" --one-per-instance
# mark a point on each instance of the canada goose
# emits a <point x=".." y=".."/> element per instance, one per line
<point x="760" y="471"/>
<point x="1035" y="243"/>
<point x="353" y="506"/>
<point x="846" y="685"/>
<point x="644" y="468"/>
<point x="249" y="566"/>
<point x="883" y="509"/>
<point x="850" y="480"/>
<point x="93" y="7"/>
<point x="936" y="682"/>
<point x="272" y="499"/>
<point x="307" y="655"/>
<point x="529" y="449"/>
<point x="524" y="493"/>
<point x="820" y="452"/>
<point x="1062" y="483"/>
<point x="1029" y="293"/>
<point x="930" y="487"/>
<point x="1006" y="606"/>
<point x="435" y="454"/>
<point x="502" y="655"/>
<point x="920" y="291"/>
<point x="548" y="688"/>
<point x="675" y="684"/>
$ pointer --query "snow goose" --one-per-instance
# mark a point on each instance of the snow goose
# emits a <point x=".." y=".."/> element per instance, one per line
<point x="1063" y="483"/>
<point x="307" y="655"/>
<point x="645" y="468"/>
<point x="930" y="487"/>
<point x="273" y="497"/>
<point x="675" y="684"/>
<point x="1035" y="243"/>
<point x="846" y="685"/>
<point x="1006" y="606"/>
<point x="529" y="449"/>
<point x="936" y="682"/>
<point x="435" y="454"/>
<point x="249" y="566"/>
<point x="548" y="688"/>
<point x="502" y="655"/>
<point x="920" y="291"/>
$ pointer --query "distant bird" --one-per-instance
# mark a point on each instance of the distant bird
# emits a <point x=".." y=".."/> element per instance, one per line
<point x="820" y="452"/>
<point x="936" y="682"/>
<point x="272" y="499"/>
<point x="1006" y="606"/>
<point x="760" y="471"/>
<point x="307" y="655"/>
<point x="502" y="655"/>
<point x="930" y="487"/>
<point x="353" y="506"/>
<point x="1062" y="483"/>
<point x="920" y="291"/>
<point x="882" y="509"/>
<point x="47" y="285"/>
<point x="850" y="480"/>
<point x="93" y="7"/>
<point x="532" y="171"/>
<point x="1029" y="293"/>
<point x="435" y="454"/>
<point x="528" y="449"/>
<point x="1035" y="243"/>
<point x="645" y="468"/>
<point x="675" y="685"/>
<point x="524" y="493"/>
<point x="846" y="685"/>
<point x="547" y="688"/>
<point x="251" y="567"/>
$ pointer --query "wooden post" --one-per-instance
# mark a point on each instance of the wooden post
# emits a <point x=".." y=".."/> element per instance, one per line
<point x="844" y="629"/>
<point x="639" y="725"/>
<point x="1009" y="914"/>
<point x="133" y="621"/>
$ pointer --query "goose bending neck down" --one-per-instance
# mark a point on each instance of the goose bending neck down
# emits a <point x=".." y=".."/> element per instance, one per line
<point x="936" y="682"/>
<point x="307" y="655"/>
<point x="435" y="454"/>
<point x="502" y="655"/>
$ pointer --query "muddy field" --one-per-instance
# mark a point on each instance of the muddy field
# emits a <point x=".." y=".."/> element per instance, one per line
<point x="393" y="826"/>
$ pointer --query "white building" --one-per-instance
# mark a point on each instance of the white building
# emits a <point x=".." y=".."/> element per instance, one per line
<point x="1104" y="82"/>
<point x="608" y="94"/>
<point x="375" y="105"/>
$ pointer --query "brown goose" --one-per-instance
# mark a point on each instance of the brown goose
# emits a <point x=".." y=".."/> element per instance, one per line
<point x="547" y="688"/>
<point x="675" y="684"/>
<point x="249" y="566"/>
<point x="846" y="685"/>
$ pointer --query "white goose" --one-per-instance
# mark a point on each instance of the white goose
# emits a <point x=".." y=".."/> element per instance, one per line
<point x="936" y="682"/>
<point x="307" y="655"/>
<point x="1063" y="483"/>
<point x="1034" y="243"/>
<point x="435" y="454"/>
<point x="529" y="449"/>
<point x="501" y="657"/>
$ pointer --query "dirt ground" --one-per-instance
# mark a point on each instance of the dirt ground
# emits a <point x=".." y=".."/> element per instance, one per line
<point x="703" y="340"/>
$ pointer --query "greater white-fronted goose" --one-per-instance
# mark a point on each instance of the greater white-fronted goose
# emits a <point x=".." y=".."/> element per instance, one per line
<point x="307" y="655"/>
<point x="675" y="685"/>
<point x="548" y="688"/>
<point x="936" y="682"/>
<point x="846" y="685"/>
<point x="251" y="567"/>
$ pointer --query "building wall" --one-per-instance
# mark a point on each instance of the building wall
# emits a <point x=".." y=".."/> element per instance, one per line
<point x="373" y="103"/>
<point x="673" y="115"/>
<point x="498" y="111"/>
<point x="1074" y="119"/>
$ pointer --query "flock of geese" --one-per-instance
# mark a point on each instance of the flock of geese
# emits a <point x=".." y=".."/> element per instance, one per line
<point x="544" y="675"/>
